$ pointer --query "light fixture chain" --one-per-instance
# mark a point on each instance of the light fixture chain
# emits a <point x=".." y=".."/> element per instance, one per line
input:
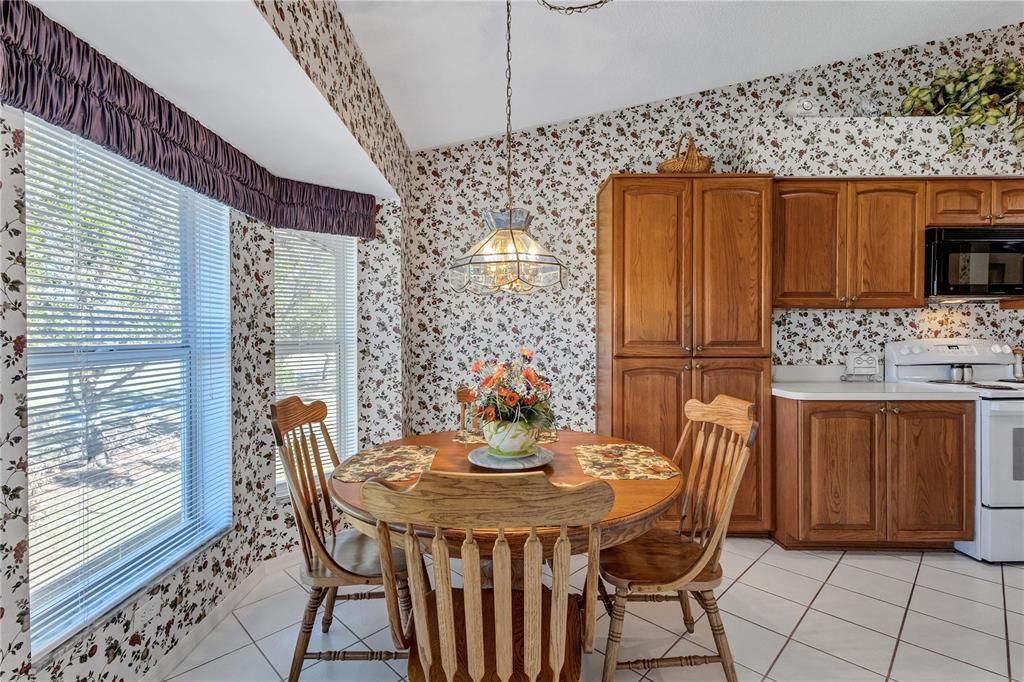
<point x="508" y="106"/>
<point x="573" y="9"/>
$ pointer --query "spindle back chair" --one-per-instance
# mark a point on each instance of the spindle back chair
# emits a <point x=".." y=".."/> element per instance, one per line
<point x="528" y="631"/>
<point x="333" y="557"/>
<point x="686" y="559"/>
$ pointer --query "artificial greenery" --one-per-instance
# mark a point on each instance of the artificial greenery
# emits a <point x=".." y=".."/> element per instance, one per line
<point x="983" y="94"/>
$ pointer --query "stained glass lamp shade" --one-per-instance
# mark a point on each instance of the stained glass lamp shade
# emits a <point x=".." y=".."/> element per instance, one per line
<point x="506" y="260"/>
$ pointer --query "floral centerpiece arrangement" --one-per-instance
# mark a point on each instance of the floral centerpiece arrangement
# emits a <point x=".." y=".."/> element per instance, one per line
<point x="514" y="403"/>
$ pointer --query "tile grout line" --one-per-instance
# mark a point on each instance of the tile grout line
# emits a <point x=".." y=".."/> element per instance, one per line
<point x="219" y="656"/>
<point x="903" y="622"/>
<point x="1006" y="627"/>
<point x="249" y="635"/>
<point x="803" y="615"/>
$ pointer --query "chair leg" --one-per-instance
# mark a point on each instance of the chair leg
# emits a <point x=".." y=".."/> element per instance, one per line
<point x="603" y="593"/>
<point x="710" y="605"/>
<point x="404" y="600"/>
<point x="332" y="596"/>
<point x="308" y="619"/>
<point x="684" y="601"/>
<point x="618" y="615"/>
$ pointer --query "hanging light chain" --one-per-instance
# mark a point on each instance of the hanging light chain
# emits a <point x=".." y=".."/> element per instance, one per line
<point x="573" y="9"/>
<point x="508" y="106"/>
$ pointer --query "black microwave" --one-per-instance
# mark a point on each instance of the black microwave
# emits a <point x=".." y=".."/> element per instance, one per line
<point x="974" y="263"/>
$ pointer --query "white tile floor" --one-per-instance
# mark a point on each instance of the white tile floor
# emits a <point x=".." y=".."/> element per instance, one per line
<point x="789" y="616"/>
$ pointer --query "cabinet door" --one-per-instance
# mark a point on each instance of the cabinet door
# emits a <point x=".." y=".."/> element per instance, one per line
<point x="1008" y="205"/>
<point x="653" y="281"/>
<point x="732" y="275"/>
<point x="809" y="239"/>
<point x="842" y="471"/>
<point x="747" y="379"/>
<point x="886" y="221"/>
<point x="931" y="470"/>
<point x="959" y="202"/>
<point x="649" y="398"/>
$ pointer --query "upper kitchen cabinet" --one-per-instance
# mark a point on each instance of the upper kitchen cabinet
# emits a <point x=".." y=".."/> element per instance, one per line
<point x="809" y="234"/>
<point x="970" y="202"/>
<point x="732" y="266"/>
<point x="886" y="244"/>
<point x="651" y="261"/>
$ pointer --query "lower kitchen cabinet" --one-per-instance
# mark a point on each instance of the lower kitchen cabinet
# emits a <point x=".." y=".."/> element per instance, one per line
<point x="648" y="409"/>
<point x="869" y="473"/>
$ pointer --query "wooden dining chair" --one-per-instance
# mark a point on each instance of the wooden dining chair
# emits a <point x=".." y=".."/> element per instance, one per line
<point x="464" y="396"/>
<point x="334" y="557"/>
<point x="525" y="632"/>
<point x="685" y="559"/>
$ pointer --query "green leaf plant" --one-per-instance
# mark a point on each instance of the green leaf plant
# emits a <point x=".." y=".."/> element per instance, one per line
<point x="983" y="94"/>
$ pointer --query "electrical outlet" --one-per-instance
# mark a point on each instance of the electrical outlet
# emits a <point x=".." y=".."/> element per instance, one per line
<point x="147" y="610"/>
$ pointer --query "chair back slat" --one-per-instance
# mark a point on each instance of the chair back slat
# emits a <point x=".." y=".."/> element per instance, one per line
<point x="590" y="589"/>
<point x="299" y="430"/>
<point x="473" y="604"/>
<point x="533" y="557"/>
<point x="445" y="608"/>
<point x="387" y="572"/>
<point x="725" y="433"/>
<point x="418" y="588"/>
<point x="559" y="602"/>
<point x="482" y="509"/>
<point x="501" y="556"/>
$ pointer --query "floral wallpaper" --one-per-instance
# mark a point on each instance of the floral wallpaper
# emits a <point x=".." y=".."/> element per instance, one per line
<point x="15" y="656"/>
<point x="559" y="168"/>
<point x="316" y="34"/>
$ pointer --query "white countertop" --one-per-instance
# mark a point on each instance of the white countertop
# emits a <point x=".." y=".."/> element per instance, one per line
<point x="865" y="390"/>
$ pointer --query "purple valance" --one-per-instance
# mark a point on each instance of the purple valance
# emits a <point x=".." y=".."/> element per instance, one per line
<point x="48" y="71"/>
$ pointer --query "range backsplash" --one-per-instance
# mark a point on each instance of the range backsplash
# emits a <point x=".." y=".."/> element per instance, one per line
<point x="558" y="169"/>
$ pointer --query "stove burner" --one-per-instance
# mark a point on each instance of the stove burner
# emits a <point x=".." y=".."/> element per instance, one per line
<point x="993" y="387"/>
<point x="1012" y="381"/>
<point x="974" y="384"/>
<point x="951" y="381"/>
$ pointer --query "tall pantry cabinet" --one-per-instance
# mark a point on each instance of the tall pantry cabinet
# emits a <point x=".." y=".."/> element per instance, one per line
<point x="684" y="311"/>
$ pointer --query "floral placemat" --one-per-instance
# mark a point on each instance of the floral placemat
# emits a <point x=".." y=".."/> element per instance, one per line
<point x="389" y="462"/>
<point x="624" y="461"/>
<point x="475" y="438"/>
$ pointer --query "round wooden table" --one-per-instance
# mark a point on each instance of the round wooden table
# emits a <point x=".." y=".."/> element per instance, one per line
<point x="639" y="503"/>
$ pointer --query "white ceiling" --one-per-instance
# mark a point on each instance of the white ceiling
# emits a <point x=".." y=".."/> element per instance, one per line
<point x="441" y="64"/>
<point x="223" y="64"/>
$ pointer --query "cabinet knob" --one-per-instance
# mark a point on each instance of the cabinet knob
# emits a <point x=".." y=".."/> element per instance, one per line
<point x="882" y="408"/>
<point x="698" y="366"/>
<point x="895" y="410"/>
<point x="686" y="368"/>
<point x="854" y="299"/>
<point x="700" y="348"/>
<point x="987" y="217"/>
<point x="687" y="349"/>
<point x="842" y="299"/>
<point x="1000" y="216"/>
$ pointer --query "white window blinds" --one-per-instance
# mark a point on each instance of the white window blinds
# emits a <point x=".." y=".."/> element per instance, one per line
<point x="129" y="389"/>
<point x="315" y="292"/>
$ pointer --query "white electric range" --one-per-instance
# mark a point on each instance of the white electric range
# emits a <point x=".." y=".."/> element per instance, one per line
<point x="999" y="430"/>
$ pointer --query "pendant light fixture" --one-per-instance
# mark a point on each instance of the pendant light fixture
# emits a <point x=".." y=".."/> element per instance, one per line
<point x="507" y="260"/>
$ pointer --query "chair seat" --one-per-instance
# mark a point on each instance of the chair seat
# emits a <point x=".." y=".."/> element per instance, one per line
<point x="354" y="551"/>
<point x="571" y="670"/>
<point x="657" y="558"/>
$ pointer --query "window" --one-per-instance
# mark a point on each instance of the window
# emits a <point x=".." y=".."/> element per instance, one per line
<point x="315" y="325"/>
<point x="128" y="391"/>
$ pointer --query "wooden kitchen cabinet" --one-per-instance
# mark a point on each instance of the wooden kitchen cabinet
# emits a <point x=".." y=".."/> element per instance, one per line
<point x="748" y="379"/>
<point x="732" y="274"/>
<point x="886" y="225"/>
<point x="965" y="202"/>
<point x="650" y="394"/>
<point x="653" y="282"/>
<point x="684" y="310"/>
<point x="869" y="473"/>
<point x="852" y="244"/>
<point x="931" y="470"/>
<point x="809" y="250"/>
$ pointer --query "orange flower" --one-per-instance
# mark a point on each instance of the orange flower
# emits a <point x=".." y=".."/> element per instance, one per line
<point x="500" y="372"/>
<point x="490" y="414"/>
<point x="526" y="353"/>
<point x="511" y="399"/>
<point x="530" y="400"/>
<point x="530" y="375"/>
<point x="472" y="396"/>
<point x="487" y="382"/>
<point x="477" y="366"/>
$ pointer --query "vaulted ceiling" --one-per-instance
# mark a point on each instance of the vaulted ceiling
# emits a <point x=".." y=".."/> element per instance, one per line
<point x="441" y="65"/>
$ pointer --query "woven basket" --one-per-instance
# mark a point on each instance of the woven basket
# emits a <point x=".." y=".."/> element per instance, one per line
<point x="691" y="162"/>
